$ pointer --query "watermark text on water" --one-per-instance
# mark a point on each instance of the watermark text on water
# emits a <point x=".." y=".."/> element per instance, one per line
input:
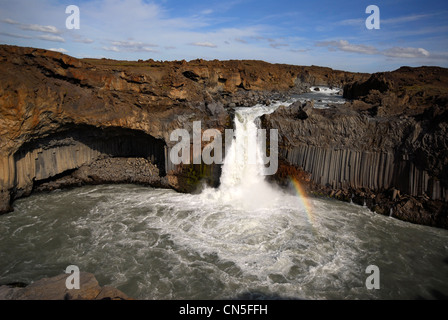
<point x="212" y="152"/>
<point x="72" y="281"/>
<point x="228" y="309"/>
<point x="373" y="281"/>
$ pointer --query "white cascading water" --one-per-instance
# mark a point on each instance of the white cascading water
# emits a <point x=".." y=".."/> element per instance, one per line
<point x="242" y="179"/>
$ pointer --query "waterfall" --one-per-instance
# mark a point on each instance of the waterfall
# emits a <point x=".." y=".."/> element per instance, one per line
<point x="242" y="179"/>
<point x="243" y="164"/>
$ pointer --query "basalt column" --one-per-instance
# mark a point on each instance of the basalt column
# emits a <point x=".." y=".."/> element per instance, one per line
<point x="64" y="152"/>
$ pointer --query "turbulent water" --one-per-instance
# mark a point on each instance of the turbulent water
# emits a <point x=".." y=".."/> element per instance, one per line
<point x="245" y="239"/>
<point x="322" y="98"/>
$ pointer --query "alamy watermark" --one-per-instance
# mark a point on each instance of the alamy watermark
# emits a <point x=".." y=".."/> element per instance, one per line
<point x="373" y="21"/>
<point x="373" y="281"/>
<point x="73" y="280"/>
<point x="73" y="20"/>
<point x="212" y="152"/>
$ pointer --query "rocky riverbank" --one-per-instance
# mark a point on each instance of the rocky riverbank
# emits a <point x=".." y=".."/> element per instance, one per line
<point x="55" y="288"/>
<point x="69" y="122"/>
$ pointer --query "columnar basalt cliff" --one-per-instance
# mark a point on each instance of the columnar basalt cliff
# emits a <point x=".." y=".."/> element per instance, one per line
<point x="387" y="149"/>
<point x="68" y="122"/>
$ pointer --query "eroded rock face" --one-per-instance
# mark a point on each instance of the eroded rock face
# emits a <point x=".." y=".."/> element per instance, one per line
<point x="60" y="153"/>
<point x="406" y="91"/>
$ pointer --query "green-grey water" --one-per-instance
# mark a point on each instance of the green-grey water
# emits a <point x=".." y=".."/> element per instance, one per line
<point x="159" y="244"/>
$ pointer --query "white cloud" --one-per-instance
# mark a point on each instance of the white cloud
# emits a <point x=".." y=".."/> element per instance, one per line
<point x="62" y="50"/>
<point x="144" y="49"/>
<point x="204" y="44"/>
<point x="13" y="35"/>
<point x="406" y="19"/>
<point x="113" y="49"/>
<point x="344" y="45"/>
<point x="52" y="33"/>
<point x="394" y="52"/>
<point x="84" y="40"/>
<point x="131" y="46"/>
<point x="10" y="21"/>
<point x="132" y="17"/>
<point x="33" y="27"/>
<point x="49" y="37"/>
<point x="81" y="39"/>
<point x="398" y="52"/>
<point x="37" y="27"/>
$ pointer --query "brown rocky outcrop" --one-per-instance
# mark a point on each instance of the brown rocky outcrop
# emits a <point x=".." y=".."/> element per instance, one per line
<point x="405" y="91"/>
<point x="55" y="288"/>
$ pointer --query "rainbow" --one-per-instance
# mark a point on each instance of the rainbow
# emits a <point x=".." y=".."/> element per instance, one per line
<point x="304" y="199"/>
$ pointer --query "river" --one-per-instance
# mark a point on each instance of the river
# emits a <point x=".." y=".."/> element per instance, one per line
<point x="245" y="239"/>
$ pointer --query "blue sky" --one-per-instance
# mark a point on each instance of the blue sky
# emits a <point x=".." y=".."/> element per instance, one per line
<point x="324" y="33"/>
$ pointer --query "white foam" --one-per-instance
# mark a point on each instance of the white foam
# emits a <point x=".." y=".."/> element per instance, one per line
<point x="242" y="179"/>
<point x="326" y="90"/>
<point x="159" y="244"/>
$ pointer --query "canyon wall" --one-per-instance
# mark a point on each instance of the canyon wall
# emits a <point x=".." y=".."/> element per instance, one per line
<point x="348" y="168"/>
<point x="346" y="149"/>
<point x="59" y="113"/>
<point x="68" y="122"/>
<point x="386" y="149"/>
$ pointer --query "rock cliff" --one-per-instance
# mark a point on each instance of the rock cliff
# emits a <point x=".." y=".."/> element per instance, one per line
<point x="387" y="148"/>
<point x="68" y="122"/>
